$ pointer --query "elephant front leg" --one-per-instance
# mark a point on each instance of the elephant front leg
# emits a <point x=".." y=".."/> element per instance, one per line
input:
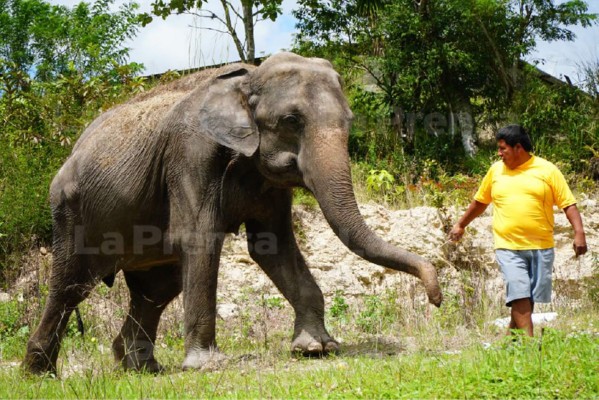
<point x="287" y="268"/>
<point x="200" y="275"/>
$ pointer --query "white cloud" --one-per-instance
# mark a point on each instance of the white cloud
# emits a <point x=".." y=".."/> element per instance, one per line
<point x="181" y="41"/>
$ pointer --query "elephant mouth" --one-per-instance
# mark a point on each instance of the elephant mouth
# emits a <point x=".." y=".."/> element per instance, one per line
<point x="283" y="170"/>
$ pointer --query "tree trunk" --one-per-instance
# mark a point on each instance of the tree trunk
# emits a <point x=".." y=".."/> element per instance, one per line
<point x="248" y="25"/>
<point x="468" y="132"/>
<point x="233" y="33"/>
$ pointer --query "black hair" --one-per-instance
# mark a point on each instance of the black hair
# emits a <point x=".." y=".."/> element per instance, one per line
<point x="514" y="134"/>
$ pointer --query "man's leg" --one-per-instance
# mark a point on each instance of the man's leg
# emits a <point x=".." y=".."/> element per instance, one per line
<point x="516" y="271"/>
<point x="522" y="316"/>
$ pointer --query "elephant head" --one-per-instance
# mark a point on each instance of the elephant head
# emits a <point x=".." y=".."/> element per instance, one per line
<point x="291" y="116"/>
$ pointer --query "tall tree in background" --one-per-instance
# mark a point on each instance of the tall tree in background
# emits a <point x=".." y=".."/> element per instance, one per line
<point x="247" y="12"/>
<point x="47" y="40"/>
<point x="438" y="54"/>
<point x="55" y="60"/>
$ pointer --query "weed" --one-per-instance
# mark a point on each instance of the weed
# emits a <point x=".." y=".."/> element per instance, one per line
<point x="378" y="313"/>
<point x="10" y="315"/>
<point x="339" y="307"/>
<point x="304" y="197"/>
<point x="273" y="302"/>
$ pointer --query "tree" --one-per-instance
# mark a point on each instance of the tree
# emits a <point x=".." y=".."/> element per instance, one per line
<point x="438" y="54"/>
<point x="249" y="12"/>
<point x="59" y="67"/>
<point x="55" y="60"/>
<point x="47" y="40"/>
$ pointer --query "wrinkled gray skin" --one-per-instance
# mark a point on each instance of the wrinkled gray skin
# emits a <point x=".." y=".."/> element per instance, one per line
<point x="187" y="162"/>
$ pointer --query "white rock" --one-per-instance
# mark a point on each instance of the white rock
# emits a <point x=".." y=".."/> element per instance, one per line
<point x="226" y="311"/>
<point x="537" y="318"/>
<point x="588" y="203"/>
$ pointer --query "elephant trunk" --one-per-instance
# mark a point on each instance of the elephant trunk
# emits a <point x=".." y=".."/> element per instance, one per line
<point x="330" y="181"/>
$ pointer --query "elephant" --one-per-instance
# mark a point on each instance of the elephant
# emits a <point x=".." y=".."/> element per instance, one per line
<point x="153" y="185"/>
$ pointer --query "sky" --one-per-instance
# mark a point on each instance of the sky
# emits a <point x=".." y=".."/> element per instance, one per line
<point x="179" y="43"/>
<point x="566" y="58"/>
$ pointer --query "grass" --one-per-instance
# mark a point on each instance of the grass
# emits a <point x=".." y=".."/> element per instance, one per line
<point x="558" y="365"/>
<point x="424" y="358"/>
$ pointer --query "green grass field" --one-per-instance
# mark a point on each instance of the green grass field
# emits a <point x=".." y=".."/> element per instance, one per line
<point x="430" y="360"/>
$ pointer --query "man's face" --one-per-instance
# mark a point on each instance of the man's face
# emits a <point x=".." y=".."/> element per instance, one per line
<point x="510" y="155"/>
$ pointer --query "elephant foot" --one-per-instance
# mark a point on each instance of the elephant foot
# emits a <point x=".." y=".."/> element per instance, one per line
<point x="39" y="362"/>
<point x="139" y="356"/>
<point x="204" y="359"/>
<point x="310" y="345"/>
<point x="150" y="366"/>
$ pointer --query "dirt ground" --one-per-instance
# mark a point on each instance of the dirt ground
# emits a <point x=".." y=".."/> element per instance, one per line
<point x="420" y="230"/>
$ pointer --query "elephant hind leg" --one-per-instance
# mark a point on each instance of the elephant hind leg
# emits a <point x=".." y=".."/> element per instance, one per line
<point x="69" y="285"/>
<point x="74" y="274"/>
<point x="151" y="291"/>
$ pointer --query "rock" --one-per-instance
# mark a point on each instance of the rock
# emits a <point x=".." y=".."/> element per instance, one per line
<point x="4" y="297"/>
<point x="588" y="203"/>
<point x="43" y="251"/>
<point x="226" y="311"/>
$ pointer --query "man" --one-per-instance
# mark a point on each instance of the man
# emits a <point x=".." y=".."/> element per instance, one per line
<point x="523" y="189"/>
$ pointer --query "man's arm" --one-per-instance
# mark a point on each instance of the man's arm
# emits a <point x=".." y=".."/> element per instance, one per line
<point x="475" y="209"/>
<point x="580" y="242"/>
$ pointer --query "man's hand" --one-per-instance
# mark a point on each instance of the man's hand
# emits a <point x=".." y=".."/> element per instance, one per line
<point x="474" y="210"/>
<point x="580" y="244"/>
<point x="456" y="233"/>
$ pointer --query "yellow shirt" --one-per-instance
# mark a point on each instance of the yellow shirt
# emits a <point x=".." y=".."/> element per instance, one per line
<point x="523" y="200"/>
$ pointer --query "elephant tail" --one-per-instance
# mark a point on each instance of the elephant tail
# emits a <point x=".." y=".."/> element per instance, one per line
<point x="80" y="326"/>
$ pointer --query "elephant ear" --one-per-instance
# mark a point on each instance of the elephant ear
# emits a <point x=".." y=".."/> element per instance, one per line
<point x="223" y="113"/>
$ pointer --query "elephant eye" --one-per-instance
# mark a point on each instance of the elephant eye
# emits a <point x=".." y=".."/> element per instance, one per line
<point x="291" y="120"/>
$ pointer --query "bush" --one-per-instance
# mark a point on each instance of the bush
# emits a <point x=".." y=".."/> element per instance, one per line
<point x="24" y="210"/>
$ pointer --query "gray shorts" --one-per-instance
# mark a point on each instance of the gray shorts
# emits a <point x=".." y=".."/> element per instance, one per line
<point x="527" y="274"/>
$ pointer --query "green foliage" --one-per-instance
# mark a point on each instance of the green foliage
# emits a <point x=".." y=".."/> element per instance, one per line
<point x="273" y="302"/>
<point x="561" y="121"/>
<point x="379" y="180"/>
<point x="304" y="197"/>
<point x="25" y="173"/>
<point x="13" y="330"/>
<point x="76" y="65"/>
<point x="420" y="182"/>
<point x="339" y="307"/>
<point x="413" y="68"/>
<point x="49" y="40"/>
<point x="59" y="70"/>
<point x="378" y="313"/>
<point x="10" y="316"/>
<point x="267" y="9"/>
